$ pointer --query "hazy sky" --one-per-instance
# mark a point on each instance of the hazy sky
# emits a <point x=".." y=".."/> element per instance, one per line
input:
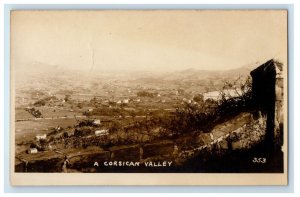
<point x="147" y="40"/>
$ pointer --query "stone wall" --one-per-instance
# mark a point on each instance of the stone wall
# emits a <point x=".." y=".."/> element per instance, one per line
<point x="241" y="132"/>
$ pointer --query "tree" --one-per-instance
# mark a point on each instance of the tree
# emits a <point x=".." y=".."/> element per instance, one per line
<point x="79" y="105"/>
<point x="65" y="134"/>
<point x="116" y="126"/>
<point x="33" y="145"/>
<point x="199" y="98"/>
<point x="67" y="97"/>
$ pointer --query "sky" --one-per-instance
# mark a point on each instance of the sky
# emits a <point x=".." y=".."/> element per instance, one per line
<point x="151" y="40"/>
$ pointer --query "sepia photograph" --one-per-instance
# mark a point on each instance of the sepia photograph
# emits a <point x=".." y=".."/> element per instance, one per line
<point x="160" y="94"/>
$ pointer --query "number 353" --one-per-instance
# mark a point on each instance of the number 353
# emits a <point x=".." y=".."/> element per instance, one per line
<point x="259" y="160"/>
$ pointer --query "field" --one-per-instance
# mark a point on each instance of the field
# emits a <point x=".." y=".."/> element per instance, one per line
<point x="143" y="117"/>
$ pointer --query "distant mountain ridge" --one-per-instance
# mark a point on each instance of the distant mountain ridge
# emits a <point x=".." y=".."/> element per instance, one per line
<point x="192" y="73"/>
<point x="42" y="69"/>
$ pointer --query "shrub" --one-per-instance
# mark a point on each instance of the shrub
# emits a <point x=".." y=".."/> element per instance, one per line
<point x="206" y="115"/>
